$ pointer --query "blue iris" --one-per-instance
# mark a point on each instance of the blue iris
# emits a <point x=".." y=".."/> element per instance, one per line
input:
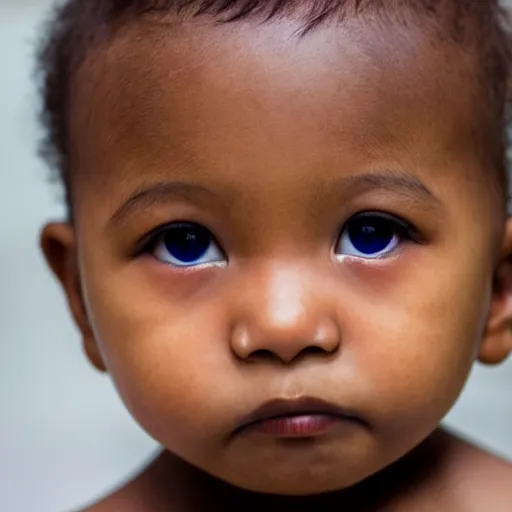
<point x="187" y="244"/>
<point x="371" y="235"/>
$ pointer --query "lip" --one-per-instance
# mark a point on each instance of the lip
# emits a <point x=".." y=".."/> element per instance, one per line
<point x="302" y="417"/>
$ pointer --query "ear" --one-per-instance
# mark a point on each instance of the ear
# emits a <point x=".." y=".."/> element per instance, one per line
<point x="59" y="247"/>
<point x="497" y="343"/>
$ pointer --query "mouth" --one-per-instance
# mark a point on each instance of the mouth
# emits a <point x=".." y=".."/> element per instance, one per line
<point x="300" y="418"/>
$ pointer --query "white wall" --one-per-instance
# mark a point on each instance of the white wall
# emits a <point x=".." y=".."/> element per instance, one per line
<point x="64" y="436"/>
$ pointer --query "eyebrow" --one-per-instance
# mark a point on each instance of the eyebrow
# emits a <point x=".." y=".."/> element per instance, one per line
<point x="158" y="193"/>
<point x="394" y="181"/>
<point x="164" y="191"/>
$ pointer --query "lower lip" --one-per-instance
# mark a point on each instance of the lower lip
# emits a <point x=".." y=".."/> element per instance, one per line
<point x="307" y="425"/>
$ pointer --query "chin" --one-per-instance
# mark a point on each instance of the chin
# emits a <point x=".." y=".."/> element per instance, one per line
<point x="295" y="483"/>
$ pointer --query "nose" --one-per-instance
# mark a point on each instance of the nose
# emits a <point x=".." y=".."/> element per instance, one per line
<point x="284" y="314"/>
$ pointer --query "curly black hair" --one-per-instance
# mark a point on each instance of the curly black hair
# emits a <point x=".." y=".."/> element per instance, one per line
<point x="76" y="25"/>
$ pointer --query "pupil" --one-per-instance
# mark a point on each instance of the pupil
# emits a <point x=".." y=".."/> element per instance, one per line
<point x="188" y="243"/>
<point x="370" y="236"/>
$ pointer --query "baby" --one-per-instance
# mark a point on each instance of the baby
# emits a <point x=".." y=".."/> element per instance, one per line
<point x="287" y="242"/>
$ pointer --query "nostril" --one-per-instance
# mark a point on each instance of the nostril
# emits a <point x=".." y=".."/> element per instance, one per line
<point x="312" y="351"/>
<point x="263" y="354"/>
<point x="269" y="355"/>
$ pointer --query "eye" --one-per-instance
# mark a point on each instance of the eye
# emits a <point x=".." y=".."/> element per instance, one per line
<point x="372" y="235"/>
<point x="187" y="245"/>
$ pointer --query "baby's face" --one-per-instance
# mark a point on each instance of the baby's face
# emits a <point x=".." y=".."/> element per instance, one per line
<point x="262" y="217"/>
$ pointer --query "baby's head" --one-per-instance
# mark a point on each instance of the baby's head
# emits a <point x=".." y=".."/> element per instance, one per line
<point x="292" y="203"/>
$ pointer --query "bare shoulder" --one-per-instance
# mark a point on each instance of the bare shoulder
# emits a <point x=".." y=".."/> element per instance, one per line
<point x="493" y="476"/>
<point x="161" y="486"/>
<point x="484" y="480"/>
<point x="125" y="499"/>
<point x="110" y="504"/>
<point x="133" y="496"/>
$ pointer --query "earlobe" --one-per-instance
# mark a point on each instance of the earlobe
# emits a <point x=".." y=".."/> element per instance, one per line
<point x="59" y="247"/>
<point x="495" y="349"/>
<point x="497" y="343"/>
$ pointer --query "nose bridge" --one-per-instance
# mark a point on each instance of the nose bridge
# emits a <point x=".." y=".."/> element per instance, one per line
<point x="283" y="314"/>
<point x="284" y="299"/>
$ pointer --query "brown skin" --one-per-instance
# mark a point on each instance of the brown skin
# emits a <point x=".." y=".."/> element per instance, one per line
<point x="290" y="138"/>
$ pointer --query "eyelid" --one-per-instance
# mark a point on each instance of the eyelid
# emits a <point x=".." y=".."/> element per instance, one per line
<point x="406" y="227"/>
<point x="382" y="215"/>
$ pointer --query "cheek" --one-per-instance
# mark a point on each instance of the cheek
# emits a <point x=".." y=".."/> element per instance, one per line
<point x="414" y="334"/>
<point x="167" y="361"/>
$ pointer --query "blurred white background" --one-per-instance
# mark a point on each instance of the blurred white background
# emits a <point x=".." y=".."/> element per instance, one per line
<point x="65" y="438"/>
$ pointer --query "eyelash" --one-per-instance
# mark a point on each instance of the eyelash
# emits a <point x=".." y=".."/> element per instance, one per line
<point x="406" y="229"/>
<point x="148" y="241"/>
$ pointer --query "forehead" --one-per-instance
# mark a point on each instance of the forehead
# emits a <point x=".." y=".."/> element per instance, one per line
<point x="195" y="99"/>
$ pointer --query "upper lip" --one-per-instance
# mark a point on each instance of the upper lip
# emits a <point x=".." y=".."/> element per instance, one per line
<point x="295" y="407"/>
